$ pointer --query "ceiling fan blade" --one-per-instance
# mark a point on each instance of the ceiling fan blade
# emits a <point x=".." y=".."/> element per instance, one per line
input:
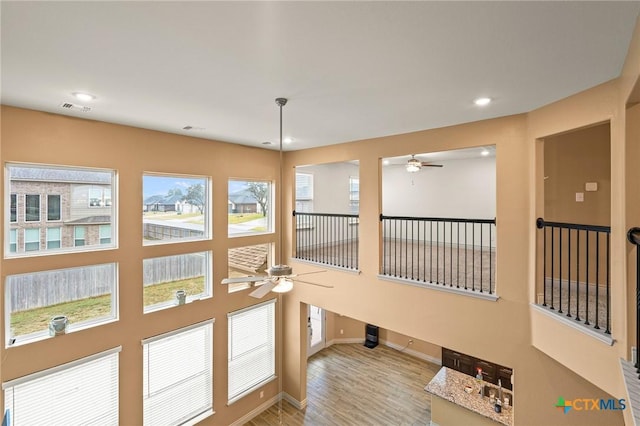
<point x="316" y="284"/>
<point x="265" y="288"/>
<point x="305" y="273"/>
<point x="431" y="165"/>
<point x="244" y="279"/>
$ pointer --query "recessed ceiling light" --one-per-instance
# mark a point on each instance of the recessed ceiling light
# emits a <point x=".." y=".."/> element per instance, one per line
<point x="482" y="101"/>
<point x="83" y="96"/>
<point x="288" y="140"/>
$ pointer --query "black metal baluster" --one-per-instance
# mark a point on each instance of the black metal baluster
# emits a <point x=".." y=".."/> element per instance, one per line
<point x="437" y="252"/>
<point x="596" y="326"/>
<point x="569" y="274"/>
<point x="481" y="256"/>
<point x="473" y="257"/>
<point x="586" y="290"/>
<point x="451" y="254"/>
<point x="466" y="252"/>
<point x="490" y="261"/>
<point x="560" y="274"/>
<point x="552" y="264"/>
<point x="608" y="331"/>
<point x="431" y="251"/>
<point x="458" y="257"/>
<point x="578" y="275"/>
<point x="544" y="264"/>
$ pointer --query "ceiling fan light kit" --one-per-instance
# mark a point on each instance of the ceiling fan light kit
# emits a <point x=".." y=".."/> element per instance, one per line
<point x="413" y="165"/>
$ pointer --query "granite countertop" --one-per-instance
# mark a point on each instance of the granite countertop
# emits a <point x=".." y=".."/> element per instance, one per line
<point x="449" y="384"/>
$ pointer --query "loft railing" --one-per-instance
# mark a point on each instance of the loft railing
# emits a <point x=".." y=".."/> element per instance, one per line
<point x="451" y="252"/>
<point x="327" y="238"/>
<point x="634" y="238"/>
<point x="575" y="272"/>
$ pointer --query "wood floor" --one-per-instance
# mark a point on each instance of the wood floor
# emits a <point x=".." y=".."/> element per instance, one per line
<point x="348" y="384"/>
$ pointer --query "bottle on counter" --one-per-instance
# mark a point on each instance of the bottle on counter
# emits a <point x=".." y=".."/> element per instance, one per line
<point x="480" y="382"/>
<point x="498" y="407"/>
<point x="500" y="390"/>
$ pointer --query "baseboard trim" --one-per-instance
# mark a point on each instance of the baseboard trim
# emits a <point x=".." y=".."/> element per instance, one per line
<point x="344" y="340"/>
<point x="300" y="405"/>
<point x="256" y="411"/>
<point x="413" y="353"/>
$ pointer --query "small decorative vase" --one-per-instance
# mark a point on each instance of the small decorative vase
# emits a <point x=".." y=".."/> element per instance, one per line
<point x="58" y="325"/>
<point x="181" y="297"/>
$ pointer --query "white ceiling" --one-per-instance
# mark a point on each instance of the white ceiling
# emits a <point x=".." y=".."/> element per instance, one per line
<point x="351" y="70"/>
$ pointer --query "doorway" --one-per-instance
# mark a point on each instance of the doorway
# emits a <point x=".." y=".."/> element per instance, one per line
<point x="316" y="336"/>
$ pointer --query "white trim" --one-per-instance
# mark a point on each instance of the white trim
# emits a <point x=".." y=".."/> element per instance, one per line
<point x="251" y="389"/>
<point x="256" y="411"/>
<point x="200" y="417"/>
<point x="294" y="260"/>
<point x="248" y="308"/>
<point x="345" y="340"/>
<point x="575" y="325"/>
<point x="632" y="386"/>
<point x="300" y="405"/>
<point x="62" y="367"/>
<point x="442" y="287"/>
<point x="413" y="353"/>
<point x="179" y="330"/>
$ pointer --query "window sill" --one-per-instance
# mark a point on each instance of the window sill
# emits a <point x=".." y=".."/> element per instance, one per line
<point x="168" y="305"/>
<point x="26" y="339"/>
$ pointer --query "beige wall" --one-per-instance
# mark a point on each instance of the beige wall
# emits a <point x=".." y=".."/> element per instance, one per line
<point x="29" y="136"/>
<point x="570" y="161"/>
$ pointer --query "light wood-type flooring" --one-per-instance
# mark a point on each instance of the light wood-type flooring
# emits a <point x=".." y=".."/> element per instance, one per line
<point x="349" y="384"/>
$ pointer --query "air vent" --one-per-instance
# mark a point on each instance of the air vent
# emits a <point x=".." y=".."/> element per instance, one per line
<point x="187" y="128"/>
<point x="74" y="107"/>
<point x="195" y="128"/>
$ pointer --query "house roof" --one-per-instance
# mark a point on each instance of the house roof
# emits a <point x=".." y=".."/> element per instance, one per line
<point x="47" y="174"/>
<point x="242" y="197"/>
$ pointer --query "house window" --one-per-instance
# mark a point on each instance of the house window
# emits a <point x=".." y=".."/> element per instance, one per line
<point x="165" y="276"/>
<point x="14" y="208"/>
<point x="247" y="261"/>
<point x="251" y="349"/>
<point x="250" y="207"/>
<point x="99" y="196"/>
<point x="86" y="295"/>
<point x="178" y="376"/>
<point x="32" y="239"/>
<point x="79" y="236"/>
<point x="54" y="238"/>
<point x="66" y="195"/>
<point x="354" y="194"/>
<point x="175" y="208"/>
<point x="304" y="192"/>
<point x="13" y="238"/>
<point x="32" y="208"/>
<point x="80" y="392"/>
<point x="53" y="207"/>
<point x="105" y="234"/>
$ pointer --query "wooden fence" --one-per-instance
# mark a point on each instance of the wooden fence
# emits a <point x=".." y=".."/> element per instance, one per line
<point x="30" y="291"/>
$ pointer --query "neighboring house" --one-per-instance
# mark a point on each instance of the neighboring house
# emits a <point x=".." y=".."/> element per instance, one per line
<point x="243" y="202"/>
<point x="58" y="208"/>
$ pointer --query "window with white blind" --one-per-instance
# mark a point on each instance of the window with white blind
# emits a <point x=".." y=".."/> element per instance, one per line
<point x="304" y="192"/>
<point x="252" y="348"/>
<point x="80" y="392"/>
<point x="178" y="376"/>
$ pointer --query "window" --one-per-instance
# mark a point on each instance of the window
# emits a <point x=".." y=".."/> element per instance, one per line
<point x="53" y="207"/>
<point x="246" y="261"/>
<point x="13" y="238"/>
<point x="80" y="392"/>
<point x="53" y="238"/>
<point x="105" y="234"/>
<point x="79" y="234"/>
<point x="178" y="376"/>
<point x="252" y="355"/>
<point x="86" y="295"/>
<point x="14" y="208"/>
<point x="77" y="200"/>
<point x="175" y="208"/>
<point x="304" y="192"/>
<point x="32" y="208"/>
<point x="250" y="207"/>
<point x="99" y="196"/>
<point x="354" y="194"/>
<point x="32" y="239"/>
<point x="164" y="276"/>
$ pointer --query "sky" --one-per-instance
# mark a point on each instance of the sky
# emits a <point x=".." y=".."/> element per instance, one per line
<point x="160" y="185"/>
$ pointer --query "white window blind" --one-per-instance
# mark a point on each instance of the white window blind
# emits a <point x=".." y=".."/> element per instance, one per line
<point x="178" y="375"/>
<point x="252" y="349"/>
<point x="78" y="393"/>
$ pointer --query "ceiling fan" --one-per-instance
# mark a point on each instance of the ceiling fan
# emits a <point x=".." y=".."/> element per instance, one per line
<point x="414" y="165"/>
<point x="280" y="278"/>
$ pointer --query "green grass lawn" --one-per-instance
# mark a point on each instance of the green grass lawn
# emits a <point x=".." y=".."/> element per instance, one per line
<point x="33" y="320"/>
<point x="243" y="217"/>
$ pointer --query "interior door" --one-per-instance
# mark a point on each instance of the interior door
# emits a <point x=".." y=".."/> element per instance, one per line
<point x="315" y="329"/>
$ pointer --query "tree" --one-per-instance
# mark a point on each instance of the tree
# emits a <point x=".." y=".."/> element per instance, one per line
<point x="195" y="196"/>
<point x="260" y="191"/>
<point x="175" y="191"/>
